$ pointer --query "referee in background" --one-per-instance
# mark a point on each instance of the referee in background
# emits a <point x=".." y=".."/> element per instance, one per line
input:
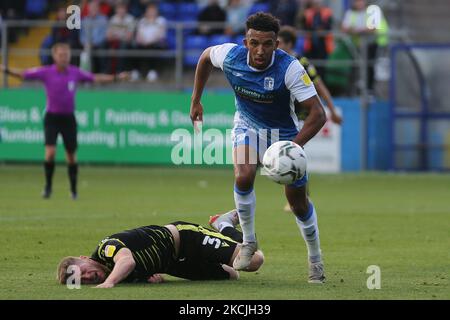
<point x="60" y="80"/>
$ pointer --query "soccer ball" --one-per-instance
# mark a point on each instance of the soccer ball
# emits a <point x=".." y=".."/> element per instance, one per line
<point x="284" y="162"/>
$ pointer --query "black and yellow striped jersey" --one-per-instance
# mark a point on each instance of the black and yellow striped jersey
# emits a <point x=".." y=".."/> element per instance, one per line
<point x="310" y="69"/>
<point x="314" y="76"/>
<point x="152" y="248"/>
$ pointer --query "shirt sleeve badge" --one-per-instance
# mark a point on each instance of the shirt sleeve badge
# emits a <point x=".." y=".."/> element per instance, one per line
<point x="305" y="79"/>
<point x="109" y="251"/>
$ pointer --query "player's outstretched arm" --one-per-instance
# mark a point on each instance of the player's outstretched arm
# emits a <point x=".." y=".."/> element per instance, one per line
<point x="108" y="78"/>
<point x="314" y="121"/>
<point x="202" y="72"/>
<point x="124" y="265"/>
<point x="324" y="93"/>
<point x="12" y="72"/>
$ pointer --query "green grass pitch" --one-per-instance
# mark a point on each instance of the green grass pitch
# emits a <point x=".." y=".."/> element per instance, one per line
<point x="399" y="222"/>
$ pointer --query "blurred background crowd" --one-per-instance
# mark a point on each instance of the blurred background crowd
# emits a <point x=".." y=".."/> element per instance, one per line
<point x="389" y="57"/>
<point x="328" y="31"/>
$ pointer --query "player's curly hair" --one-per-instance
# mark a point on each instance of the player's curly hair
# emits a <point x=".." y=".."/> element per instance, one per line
<point x="263" y="21"/>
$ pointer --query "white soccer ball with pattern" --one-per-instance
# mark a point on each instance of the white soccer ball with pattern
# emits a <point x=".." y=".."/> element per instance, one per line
<point x="284" y="162"/>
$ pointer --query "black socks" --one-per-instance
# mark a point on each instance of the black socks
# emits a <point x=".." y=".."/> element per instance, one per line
<point x="49" y="167"/>
<point x="72" y="170"/>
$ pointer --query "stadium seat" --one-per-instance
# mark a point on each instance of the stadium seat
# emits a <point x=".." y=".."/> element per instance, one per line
<point x="258" y="7"/>
<point x="191" y="59"/>
<point x="219" y="39"/>
<point x="195" y="42"/>
<point x="171" y="39"/>
<point x="46" y="44"/>
<point x="189" y="30"/>
<point x="187" y="12"/>
<point x="35" y="8"/>
<point x="168" y="10"/>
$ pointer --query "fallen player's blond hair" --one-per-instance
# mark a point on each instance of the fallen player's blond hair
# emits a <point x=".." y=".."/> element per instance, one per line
<point x="61" y="271"/>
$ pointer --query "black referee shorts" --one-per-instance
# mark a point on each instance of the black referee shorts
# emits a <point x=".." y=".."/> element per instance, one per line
<point x="202" y="253"/>
<point x="66" y="125"/>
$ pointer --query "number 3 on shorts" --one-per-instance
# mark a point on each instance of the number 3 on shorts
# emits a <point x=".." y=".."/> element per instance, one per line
<point x="209" y="240"/>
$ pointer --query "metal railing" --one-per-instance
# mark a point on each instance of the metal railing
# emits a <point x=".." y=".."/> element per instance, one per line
<point x="359" y="59"/>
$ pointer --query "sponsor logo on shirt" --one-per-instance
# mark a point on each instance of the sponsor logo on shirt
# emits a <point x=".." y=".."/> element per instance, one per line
<point x="109" y="251"/>
<point x="253" y="95"/>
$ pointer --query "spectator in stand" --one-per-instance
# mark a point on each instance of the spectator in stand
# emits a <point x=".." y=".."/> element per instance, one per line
<point x="93" y="34"/>
<point x="35" y="9"/>
<point x="120" y="35"/>
<point x="316" y="19"/>
<point x="13" y="10"/>
<point x="150" y="34"/>
<point x="211" y="13"/>
<point x="355" y="24"/>
<point x="236" y="12"/>
<point x="84" y="5"/>
<point x="284" y="10"/>
<point x="1" y="21"/>
<point x="288" y="38"/>
<point x="61" y="34"/>
<point x="105" y="7"/>
<point x="204" y="3"/>
<point x="137" y="7"/>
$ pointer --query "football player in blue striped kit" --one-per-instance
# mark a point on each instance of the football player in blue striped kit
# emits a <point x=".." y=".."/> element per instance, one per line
<point x="270" y="86"/>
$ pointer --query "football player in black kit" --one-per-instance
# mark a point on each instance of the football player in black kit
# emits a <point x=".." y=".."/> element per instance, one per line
<point x="181" y="249"/>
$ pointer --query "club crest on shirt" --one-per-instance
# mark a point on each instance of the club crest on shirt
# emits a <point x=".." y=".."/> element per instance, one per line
<point x="71" y="85"/>
<point x="269" y="83"/>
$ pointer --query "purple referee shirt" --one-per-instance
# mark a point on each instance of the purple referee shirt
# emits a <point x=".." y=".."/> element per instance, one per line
<point x="60" y="86"/>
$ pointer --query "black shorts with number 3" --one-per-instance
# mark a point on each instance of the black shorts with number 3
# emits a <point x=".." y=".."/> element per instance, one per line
<point x="202" y="253"/>
<point x="66" y="125"/>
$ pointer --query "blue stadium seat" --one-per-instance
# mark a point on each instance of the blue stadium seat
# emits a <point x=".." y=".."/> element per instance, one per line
<point x="46" y="44"/>
<point x="168" y="10"/>
<point x="35" y="7"/>
<point x="256" y="7"/>
<point x="191" y="59"/>
<point x="219" y="39"/>
<point x="195" y="42"/>
<point x="171" y="39"/>
<point x="189" y="30"/>
<point x="238" y="39"/>
<point x="187" y="12"/>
